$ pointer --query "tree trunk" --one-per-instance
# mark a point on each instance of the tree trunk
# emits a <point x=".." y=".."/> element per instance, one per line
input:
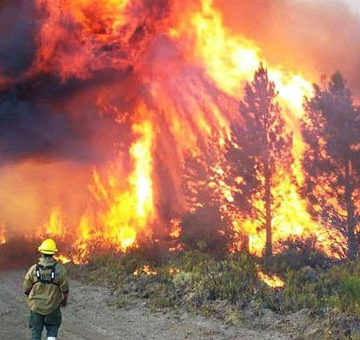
<point x="268" y="246"/>
<point x="245" y="244"/>
<point x="351" y="254"/>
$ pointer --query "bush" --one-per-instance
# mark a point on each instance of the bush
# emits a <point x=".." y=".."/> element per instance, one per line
<point x="206" y="230"/>
<point x="348" y="297"/>
<point x="297" y="254"/>
<point x="301" y="293"/>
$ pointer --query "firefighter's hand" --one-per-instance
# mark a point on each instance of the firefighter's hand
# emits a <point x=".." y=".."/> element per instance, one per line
<point x="65" y="298"/>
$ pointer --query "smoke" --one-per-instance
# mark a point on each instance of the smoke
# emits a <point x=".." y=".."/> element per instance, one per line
<point x="17" y="29"/>
<point x="311" y="37"/>
<point x="60" y="123"/>
<point x="31" y="189"/>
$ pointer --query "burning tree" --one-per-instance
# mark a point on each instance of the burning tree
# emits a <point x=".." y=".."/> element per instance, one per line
<point x="332" y="160"/>
<point x="206" y="226"/>
<point x="258" y="149"/>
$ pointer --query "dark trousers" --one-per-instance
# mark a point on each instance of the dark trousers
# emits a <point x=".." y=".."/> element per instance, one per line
<point x="51" y="322"/>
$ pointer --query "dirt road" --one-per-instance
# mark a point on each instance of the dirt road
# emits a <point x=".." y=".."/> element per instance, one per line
<point x="90" y="317"/>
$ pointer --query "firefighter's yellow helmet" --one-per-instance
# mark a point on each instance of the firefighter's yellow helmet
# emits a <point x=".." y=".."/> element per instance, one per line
<point x="48" y="247"/>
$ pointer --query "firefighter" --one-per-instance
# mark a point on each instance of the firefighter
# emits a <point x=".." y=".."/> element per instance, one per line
<point x="46" y="288"/>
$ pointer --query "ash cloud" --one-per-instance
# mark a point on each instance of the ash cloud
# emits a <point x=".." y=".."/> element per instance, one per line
<point x="312" y="37"/>
<point x="26" y="128"/>
<point x="49" y="120"/>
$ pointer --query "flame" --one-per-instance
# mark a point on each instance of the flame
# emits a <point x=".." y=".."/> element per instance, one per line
<point x="102" y="20"/>
<point x="62" y="258"/>
<point x="130" y="211"/>
<point x="230" y="59"/>
<point x="54" y="226"/>
<point x="273" y="281"/>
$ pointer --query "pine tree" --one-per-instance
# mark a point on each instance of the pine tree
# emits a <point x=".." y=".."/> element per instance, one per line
<point x="332" y="160"/>
<point x="205" y="226"/>
<point x="258" y="147"/>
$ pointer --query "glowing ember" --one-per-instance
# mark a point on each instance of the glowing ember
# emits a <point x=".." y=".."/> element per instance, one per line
<point x="146" y="270"/>
<point x="173" y="271"/>
<point x="272" y="281"/>
<point x="2" y="234"/>
<point x="175" y="228"/>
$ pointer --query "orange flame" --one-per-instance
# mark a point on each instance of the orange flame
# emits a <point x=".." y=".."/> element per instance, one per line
<point x="128" y="212"/>
<point x="273" y="281"/>
<point x="54" y="226"/>
<point x="2" y="234"/>
<point x="62" y="258"/>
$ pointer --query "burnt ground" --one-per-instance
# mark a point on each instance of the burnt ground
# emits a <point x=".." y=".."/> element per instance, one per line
<point x="91" y="316"/>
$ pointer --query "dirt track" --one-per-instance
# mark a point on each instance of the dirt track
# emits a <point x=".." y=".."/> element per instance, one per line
<point x="89" y="317"/>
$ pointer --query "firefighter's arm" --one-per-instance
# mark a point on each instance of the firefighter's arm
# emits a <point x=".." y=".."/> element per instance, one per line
<point x="28" y="281"/>
<point x="65" y="298"/>
<point x="64" y="286"/>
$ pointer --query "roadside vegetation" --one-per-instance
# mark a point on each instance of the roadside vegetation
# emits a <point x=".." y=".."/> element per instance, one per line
<point x="320" y="298"/>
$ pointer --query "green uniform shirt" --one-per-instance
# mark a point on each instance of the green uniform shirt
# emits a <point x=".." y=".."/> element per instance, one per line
<point x="44" y="298"/>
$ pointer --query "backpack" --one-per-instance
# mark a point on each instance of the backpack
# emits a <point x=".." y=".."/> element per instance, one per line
<point x="42" y="274"/>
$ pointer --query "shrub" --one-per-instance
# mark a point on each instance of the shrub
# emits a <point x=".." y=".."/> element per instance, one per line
<point x="348" y="298"/>
<point x="206" y="230"/>
<point x="297" y="254"/>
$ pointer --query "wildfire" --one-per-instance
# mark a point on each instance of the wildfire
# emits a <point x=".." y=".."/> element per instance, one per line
<point x="272" y="281"/>
<point x="125" y="213"/>
<point x="187" y="72"/>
